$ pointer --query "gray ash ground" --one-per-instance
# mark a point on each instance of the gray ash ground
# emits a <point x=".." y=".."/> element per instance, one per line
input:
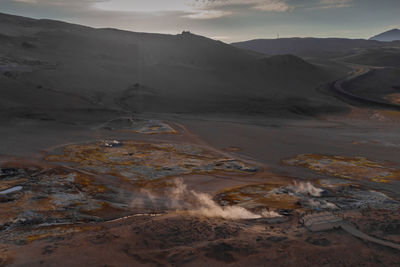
<point x="353" y="198"/>
<point x="139" y="125"/>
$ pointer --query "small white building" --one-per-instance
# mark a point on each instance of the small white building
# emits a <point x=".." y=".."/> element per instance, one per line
<point x="321" y="221"/>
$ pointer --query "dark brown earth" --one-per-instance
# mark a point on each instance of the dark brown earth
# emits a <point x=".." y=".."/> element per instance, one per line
<point x="189" y="241"/>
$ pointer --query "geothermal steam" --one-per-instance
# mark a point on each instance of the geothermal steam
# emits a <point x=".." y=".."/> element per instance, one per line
<point x="306" y="189"/>
<point x="199" y="204"/>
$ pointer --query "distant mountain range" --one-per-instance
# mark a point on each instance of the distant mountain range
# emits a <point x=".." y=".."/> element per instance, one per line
<point x="309" y="47"/>
<point x="318" y="47"/>
<point x="389" y="36"/>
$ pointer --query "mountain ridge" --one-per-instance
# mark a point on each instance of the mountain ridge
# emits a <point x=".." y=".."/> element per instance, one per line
<point x="307" y="47"/>
<point x="388" y="36"/>
<point x="79" y="66"/>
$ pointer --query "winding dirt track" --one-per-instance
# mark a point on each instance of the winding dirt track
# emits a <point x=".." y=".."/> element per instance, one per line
<point x="353" y="231"/>
<point x="363" y="70"/>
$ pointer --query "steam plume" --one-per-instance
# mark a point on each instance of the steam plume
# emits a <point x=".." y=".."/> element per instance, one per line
<point x="200" y="204"/>
<point x="306" y="189"/>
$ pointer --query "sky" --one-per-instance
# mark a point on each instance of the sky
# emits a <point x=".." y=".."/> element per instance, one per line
<point x="225" y="20"/>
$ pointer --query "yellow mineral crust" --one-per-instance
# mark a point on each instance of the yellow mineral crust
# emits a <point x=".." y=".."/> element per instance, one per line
<point x="138" y="161"/>
<point x="353" y="168"/>
<point x="258" y="196"/>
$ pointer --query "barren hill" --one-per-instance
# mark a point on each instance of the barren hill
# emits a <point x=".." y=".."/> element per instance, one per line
<point x="47" y="64"/>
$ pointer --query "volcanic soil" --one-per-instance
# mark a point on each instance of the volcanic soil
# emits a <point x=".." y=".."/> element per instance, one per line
<point x="192" y="191"/>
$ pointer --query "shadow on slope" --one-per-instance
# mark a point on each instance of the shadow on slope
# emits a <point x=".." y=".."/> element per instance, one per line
<point x="51" y="65"/>
<point x="380" y="57"/>
<point x="382" y="85"/>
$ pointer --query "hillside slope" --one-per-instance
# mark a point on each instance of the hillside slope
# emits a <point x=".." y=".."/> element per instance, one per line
<point x="48" y="64"/>
<point x="383" y="57"/>
<point x="382" y="85"/>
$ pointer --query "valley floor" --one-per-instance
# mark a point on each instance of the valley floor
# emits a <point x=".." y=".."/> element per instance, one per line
<point x="198" y="190"/>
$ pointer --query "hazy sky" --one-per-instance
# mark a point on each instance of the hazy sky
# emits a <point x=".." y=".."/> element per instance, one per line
<point x="227" y="20"/>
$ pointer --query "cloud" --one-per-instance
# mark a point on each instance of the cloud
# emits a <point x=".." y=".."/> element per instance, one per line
<point x="208" y="14"/>
<point x="272" y="5"/>
<point x="230" y="7"/>
<point x="326" y="4"/>
<point x="59" y="2"/>
<point x="27" y="1"/>
<point x="189" y="9"/>
<point x="335" y="2"/>
<point x="264" y="5"/>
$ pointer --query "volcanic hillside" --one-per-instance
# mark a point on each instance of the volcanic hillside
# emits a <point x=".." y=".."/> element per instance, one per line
<point x="383" y="57"/>
<point x="51" y="65"/>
